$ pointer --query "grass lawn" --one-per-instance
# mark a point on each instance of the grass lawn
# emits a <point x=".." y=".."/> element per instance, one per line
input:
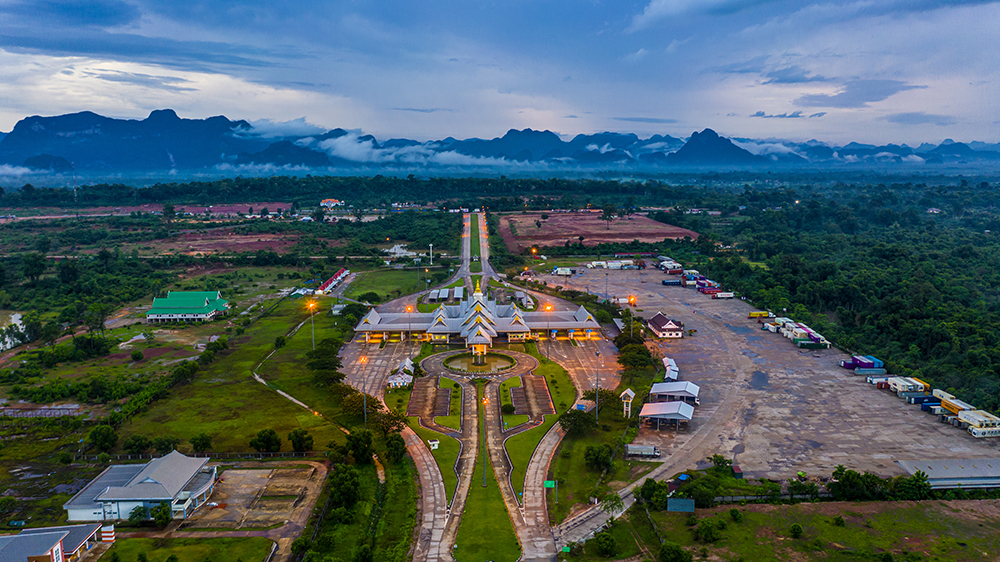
<point x="474" y="234"/>
<point x="428" y="306"/>
<point x="224" y="401"/>
<point x="521" y="446"/>
<point x="387" y="283"/>
<point x="929" y="530"/>
<point x="625" y="530"/>
<point x="250" y="549"/>
<point x="454" y="417"/>
<point x="486" y="532"/>
<point x="446" y="454"/>
<point x="511" y="420"/>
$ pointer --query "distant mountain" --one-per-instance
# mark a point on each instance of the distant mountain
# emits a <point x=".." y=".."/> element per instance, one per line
<point x="707" y="147"/>
<point x="87" y="142"/>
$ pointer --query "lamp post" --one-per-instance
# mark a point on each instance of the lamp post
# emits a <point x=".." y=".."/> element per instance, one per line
<point x="597" y="390"/>
<point x="364" y="387"/>
<point x="606" y="297"/>
<point x="409" y="333"/>
<point x="485" y="402"/>
<point x="312" y="322"/>
<point x="548" y="331"/>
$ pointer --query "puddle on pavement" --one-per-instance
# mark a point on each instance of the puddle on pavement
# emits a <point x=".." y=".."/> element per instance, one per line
<point x="758" y="381"/>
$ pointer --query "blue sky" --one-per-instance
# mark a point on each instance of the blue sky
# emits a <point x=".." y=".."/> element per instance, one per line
<point x="871" y="71"/>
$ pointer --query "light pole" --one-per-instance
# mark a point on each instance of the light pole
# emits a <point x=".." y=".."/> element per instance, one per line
<point x="364" y="387"/>
<point x="409" y="333"/>
<point x="606" y="297"/>
<point x="548" y="331"/>
<point x="312" y="322"/>
<point x="485" y="402"/>
<point x="597" y="390"/>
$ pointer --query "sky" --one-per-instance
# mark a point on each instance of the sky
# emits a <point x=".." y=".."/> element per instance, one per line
<point x="876" y="71"/>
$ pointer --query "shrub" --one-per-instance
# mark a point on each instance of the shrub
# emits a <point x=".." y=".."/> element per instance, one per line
<point x="672" y="552"/>
<point x="838" y="521"/>
<point x="137" y="355"/>
<point x="736" y="515"/>
<point x="606" y="544"/>
<point x="104" y="458"/>
<point x="796" y="530"/>
<point x="65" y="458"/>
<point x="507" y="409"/>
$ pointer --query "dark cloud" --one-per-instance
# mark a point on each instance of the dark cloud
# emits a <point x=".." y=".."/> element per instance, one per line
<point x="201" y="56"/>
<point x="792" y="75"/>
<point x="857" y="93"/>
<point x="420" y="109"/>
<point x="48" y="14"/>
<point x="168" y="83"/>
<point x="920" y="118"/>
<point x="652" y="120"/>
<point x="819" y="114"/>
<point x="793" y="115"/>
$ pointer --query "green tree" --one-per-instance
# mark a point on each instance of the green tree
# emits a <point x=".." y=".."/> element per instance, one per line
<point x="606" y="544"/>
<point x="301" y="440"/>
<point x="672" y="552"/>
<point x="363" y="553"/>
<point x="7" y="505"/>
<point x="389" y="421"/>
<point x="104" y="458"/>
<point x="33" y="266"/>
<point x="325" y="363"/>
<point x="395" y="447"/>
<point x="115" y="557"/>
<point x="598" y="457"/>
<point x="201" y="442"/>
<point x="68" y="271"/>
<point x="344" y="486"/>
<point x="138" y="514"/>
<point x="103" y="437"/>
<point x="612" y="504"/>
<point x="359" y="443"/>
<point x="279" y="342"/>
<point x="161" y="514"/>
<point x="165" y="444"/>
<point x="300" y="546"/>
<point x="267" y="440"/>
<point x="141" y="557"/>
<point x="577" y="422"/>
<point x="169" y="214"/>
<point x="608" y="214"/>
<point x="795" y="530"/>
<point x="137" y="355"/>
<point x="136" y="444"/>
<point x="721" y="464"/>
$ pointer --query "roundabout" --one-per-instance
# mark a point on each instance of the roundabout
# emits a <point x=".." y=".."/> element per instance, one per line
<point x="444" y="363"/>
<point x="490" y="363"/>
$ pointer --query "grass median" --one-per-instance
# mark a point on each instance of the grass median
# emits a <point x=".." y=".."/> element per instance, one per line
<point x="193" y="550"/>
<point x="446" y="454"/>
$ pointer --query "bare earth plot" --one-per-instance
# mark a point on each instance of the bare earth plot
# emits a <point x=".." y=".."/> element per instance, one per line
<point x="560" y="228"/>
<point x="795" y="410"/>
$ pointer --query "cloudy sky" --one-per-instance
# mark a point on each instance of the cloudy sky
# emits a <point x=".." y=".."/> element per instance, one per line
<point x="871" y="71"/>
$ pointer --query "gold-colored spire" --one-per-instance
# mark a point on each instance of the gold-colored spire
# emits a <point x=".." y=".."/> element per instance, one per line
<point x="477" y="286"/>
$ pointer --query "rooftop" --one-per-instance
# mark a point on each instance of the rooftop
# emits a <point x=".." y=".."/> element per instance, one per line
<point x="667" y="411"/>
<point x="954" y="473"/>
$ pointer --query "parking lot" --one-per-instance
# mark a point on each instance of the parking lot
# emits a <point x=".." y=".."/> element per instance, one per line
<point x="775" y="409"/>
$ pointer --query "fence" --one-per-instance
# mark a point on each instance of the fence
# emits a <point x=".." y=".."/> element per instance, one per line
<point x="215" y="456"/>
<point x="770" y="497"/>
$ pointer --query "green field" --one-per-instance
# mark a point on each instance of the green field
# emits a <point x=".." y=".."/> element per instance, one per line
<point x="521" y="446"/>
<point x="247" y="549"/>
<point x="476" y="266"/>
<point x="387" y="283"/>
<point x="511" y="420"/>
<point x="908" y="531"/>
<point x="446" y="454"/>
<point x="454" y="418"/>
<point x="224" y="401"/>
<point x="486" y="532"/>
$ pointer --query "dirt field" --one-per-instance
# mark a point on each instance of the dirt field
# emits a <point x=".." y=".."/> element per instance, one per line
<point x="795" y="410"/>
<point x="219" y="209"/>
<point x="257" y="498"/>
<point x="220" y="241"/>
<point x="562" y="227"/>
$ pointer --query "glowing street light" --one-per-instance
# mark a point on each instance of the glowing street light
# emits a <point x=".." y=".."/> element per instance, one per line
<point x="548" y="330"/>
<point x="409" y="333"/>
<point x="312" y="322"/>
<point x="364" y="387"/>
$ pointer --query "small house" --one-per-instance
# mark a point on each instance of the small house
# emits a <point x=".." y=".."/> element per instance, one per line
<point x="684" y="391"/>
<point x="664" y="327"/>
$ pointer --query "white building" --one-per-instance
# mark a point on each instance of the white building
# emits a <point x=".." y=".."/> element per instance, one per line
<point x="664" y="327"/>
<point x="183" y="482"/>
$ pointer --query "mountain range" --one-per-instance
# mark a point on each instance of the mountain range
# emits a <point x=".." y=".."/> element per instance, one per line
<point x="86" y="142"/>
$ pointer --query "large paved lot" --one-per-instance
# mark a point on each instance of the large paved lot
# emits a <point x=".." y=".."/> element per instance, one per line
<point x="796" y="410"/>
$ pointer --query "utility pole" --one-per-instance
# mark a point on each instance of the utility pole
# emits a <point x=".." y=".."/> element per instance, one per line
<point x="597" y="390"/>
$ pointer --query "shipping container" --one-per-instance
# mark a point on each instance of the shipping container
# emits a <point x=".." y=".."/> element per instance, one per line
<point x="675" y="271"/>
<point x="710" y="290"/>
<point x="922" y="399"/>
<point x="927" y="406"/>
<point x="878" y="362"/>
<point x="981" y="432"/>
<point x="936" y="410"/>
<point x="874" y="379"/>
<point x="760" y="314"/>
<point x="848" y="364"/>
<point x="911" y="394"/>
<point x="723" y="295"/>
<point x="882" y="385"/>
<point x="979" y="418"/>
<point x="942" y="394"/>
<point x="918" y="384"/>
<point x="814" y="345"/>
<point x="868" y="371"/>
<point x="641" y="451"/>
<point x="927" y="387"/>
<point x="671" y="281"/>
<point x="955" y="405"/>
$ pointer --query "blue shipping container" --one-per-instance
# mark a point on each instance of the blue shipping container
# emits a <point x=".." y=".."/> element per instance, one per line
<point x="926" y="406"/>
<point x="869" y="371"/>
<point x="878" y="362"/>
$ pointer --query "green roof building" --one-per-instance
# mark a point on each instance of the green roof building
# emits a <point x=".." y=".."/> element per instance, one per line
<point x="184" y="306"/>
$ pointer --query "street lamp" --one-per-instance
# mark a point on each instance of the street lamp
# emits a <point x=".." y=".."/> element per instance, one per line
<point x="312" y="322"/>
<point x="409" y="333"/>
<point x="548" y="331"/>
<point x="597" y="390"/>
<point x="364" y="387"/>
<point x="485" y="402"/>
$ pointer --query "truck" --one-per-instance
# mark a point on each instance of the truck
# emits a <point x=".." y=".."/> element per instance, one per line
<point x="868" y="371"/>
<point x="760" y="314"/>
<point x="672" y="282"/>
<point x="645" y="451"/>
<point x="814" y="345"/>
<point x="674" y="271"/>
<point x="710" y="290"/>
<point x="723" y="295"/>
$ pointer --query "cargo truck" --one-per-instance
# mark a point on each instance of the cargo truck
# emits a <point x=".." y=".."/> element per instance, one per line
<point x="645" y="451"/>
<point x="979" y="418"/>
<point x="984" y="432"/>
<point x="760" y="314"/>
<point x="723" y="295"/>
